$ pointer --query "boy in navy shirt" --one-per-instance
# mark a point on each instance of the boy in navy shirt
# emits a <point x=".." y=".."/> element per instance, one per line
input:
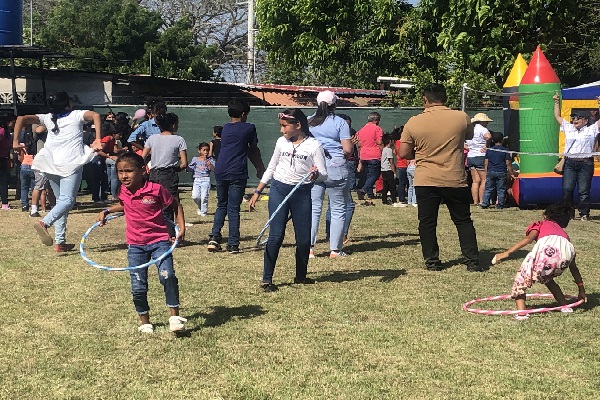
<point x="239" y="143"/>
<point x="497" y="162"/>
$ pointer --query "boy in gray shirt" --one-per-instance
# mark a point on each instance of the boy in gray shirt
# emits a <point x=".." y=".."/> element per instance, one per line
<point x="388" y="170"/>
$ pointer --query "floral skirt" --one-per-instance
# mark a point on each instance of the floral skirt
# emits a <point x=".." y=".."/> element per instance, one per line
<point x="550" y="256"/>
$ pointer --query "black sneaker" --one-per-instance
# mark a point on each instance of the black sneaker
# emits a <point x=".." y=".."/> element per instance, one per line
<point x="213" y="246"/>
<point x="24" y="209"/>
<point x="304" y="281"/>
<point x="475" y="268"/>
<point x="233" y="249"/>
<point x="35" y="215"/>
<point x="269" y="287"/>
<point x="434" y="267"/>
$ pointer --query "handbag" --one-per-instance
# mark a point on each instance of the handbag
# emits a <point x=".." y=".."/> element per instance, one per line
<point x="559" y="168"/>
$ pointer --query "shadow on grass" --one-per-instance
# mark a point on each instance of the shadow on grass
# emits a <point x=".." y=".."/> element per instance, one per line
<point x="593" y="300"/>
<point x="385" y="275"/>
<point x="369" y="246"/>
<point x="486" y="256"/>
<point x="221" y="315"/>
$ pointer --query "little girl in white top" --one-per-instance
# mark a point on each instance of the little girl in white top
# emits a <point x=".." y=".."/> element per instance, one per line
<point x="296" y="154"/>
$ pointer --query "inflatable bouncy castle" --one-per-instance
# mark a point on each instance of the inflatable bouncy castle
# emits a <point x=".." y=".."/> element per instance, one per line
<point x="537" y="138"/>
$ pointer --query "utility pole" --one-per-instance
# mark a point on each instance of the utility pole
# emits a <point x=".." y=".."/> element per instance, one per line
<point x="250" y="58"/>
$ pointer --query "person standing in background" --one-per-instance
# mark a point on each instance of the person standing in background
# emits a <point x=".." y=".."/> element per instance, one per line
<point x="369" y="137"/>
<point x="436" y="139"/>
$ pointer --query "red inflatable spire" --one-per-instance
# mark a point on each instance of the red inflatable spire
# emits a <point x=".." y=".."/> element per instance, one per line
<point x="539" y="70"/>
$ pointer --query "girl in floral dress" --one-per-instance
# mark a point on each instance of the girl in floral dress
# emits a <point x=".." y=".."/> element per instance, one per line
<point x="550" y="256"/>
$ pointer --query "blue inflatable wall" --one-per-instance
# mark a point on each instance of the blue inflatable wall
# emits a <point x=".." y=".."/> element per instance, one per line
<point x="11" y="22"/>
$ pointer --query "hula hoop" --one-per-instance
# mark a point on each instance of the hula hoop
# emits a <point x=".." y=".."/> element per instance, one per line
<point x="513" y="312"/>
<point x="258" y="242"/>
<point x="145" y="265"/>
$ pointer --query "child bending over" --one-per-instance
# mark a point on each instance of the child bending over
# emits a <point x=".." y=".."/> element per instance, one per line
<point x="550" y="256"/>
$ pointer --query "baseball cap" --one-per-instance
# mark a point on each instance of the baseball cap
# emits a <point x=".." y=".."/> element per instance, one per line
<point x="328" y="97"/>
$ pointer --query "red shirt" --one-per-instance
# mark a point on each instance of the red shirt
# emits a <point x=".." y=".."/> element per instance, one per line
<point x="368" y="136"/>
<point x="144" y="213"/>
<point x="547" y="228"/>
<point x="108" y="145"/>
<point x="400" y="162"/>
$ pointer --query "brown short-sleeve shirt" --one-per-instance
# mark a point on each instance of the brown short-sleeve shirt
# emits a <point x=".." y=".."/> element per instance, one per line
<point x="438" y="136"/>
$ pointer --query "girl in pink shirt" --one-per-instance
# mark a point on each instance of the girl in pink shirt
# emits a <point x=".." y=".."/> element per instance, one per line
<point x="147" y="236"/>
<point x="550" y="256"/>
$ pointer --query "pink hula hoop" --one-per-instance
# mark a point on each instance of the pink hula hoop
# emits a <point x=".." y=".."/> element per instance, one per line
<point x="512" y="312"/>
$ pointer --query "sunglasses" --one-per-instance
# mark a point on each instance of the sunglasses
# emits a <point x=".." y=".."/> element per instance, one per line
<point x="574" y="117"/>
<point x="285" y="116"/>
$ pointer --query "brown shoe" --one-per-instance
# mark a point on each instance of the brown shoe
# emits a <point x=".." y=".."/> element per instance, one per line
<point x="42" y="231"/>
<point x="63" y="247"/>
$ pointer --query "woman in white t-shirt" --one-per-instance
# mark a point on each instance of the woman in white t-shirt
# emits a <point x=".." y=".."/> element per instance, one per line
<point x="476" y="155"/>
<point x="296" y="154"/>
<point x="580" y="143"/>
<point x="62" y="160"/>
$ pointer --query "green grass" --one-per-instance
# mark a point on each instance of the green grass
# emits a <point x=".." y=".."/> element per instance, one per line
<point x="375" y="326"/>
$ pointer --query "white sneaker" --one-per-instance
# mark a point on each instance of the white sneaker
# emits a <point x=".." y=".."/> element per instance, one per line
<point x="566" y="310"/>
<point x="146" y="328"/>
<point x="414" y="204"/>
<point x="521" y="317"/>
<point x="311" y="253"/>
<point x="176" y="323"/>
<point x="202" y="214"/>
<point x="198" y="212"/>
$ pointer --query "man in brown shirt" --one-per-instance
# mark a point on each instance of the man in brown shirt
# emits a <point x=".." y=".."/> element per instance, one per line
<point x="435" y="139"/>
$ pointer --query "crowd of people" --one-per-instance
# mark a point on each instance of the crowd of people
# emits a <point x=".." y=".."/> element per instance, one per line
<point x="137" y="162"/>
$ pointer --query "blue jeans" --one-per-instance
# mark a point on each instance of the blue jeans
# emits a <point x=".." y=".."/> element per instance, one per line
<point x="299" y="206"/>
<point x="65" y="189"/>
<point x="200" y="192"/>
<point x="402" y="184"/>
<point x="373" y="170"/>
<point x="338" y="190"/>
<point x="411" y="197"/>
<point x="27" y="184"/>
<point x="113" y="177"/>
<point x="140" y="254"/>
<point x="495" y="182"/>
<point x="350" y="205"/>
<point x="229" y="198"/>
<point x="578" y="171"/>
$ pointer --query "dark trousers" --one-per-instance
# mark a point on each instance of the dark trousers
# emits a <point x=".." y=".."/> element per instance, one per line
<point x="4" y="179"/>
<point x="402" y="184"/>
<point x="300" y="207"/>
<point x="458" y="201"/>
<point x="389" y="185"/>
<point x="372" y="169"/>
<point x="169" y="179"/>
<point x="229" y="199"/>
<point x="578" y="171"/>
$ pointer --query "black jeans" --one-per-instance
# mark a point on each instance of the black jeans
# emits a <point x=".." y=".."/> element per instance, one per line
<point x="389" y="184"/>
<point x="169" y="179"/>
<point x="458" y="201"/>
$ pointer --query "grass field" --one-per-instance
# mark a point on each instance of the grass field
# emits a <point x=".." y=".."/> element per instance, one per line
<point x="376" y="325"/>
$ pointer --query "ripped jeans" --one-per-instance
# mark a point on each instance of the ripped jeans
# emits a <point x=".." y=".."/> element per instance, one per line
<point x="140" y="254"/>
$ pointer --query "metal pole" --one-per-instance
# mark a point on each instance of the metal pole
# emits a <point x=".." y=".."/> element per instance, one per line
<point x="463" y="97"/>
<point x="13" y="76"/>
<point x="250" y="61"/>
<point x="31" y="23"/>
<point x="150" y="62"/>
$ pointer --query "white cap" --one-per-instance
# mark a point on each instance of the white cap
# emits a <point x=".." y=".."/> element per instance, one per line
<point x="328" y="97"/>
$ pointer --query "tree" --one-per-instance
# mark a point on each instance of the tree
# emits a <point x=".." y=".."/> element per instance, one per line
<point x="110" y="30"/>
<point x="220" y="25"/>
<point x="484" y="36"/>
<point x="337" y="43"/>
<point x="177" y="55"/>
